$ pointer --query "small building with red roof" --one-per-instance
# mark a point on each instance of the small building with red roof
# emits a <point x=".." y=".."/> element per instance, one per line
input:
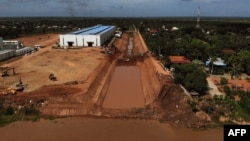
<point x="179" y="60"/>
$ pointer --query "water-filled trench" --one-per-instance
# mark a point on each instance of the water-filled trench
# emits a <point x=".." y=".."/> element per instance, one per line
<point x="125" y="89"/>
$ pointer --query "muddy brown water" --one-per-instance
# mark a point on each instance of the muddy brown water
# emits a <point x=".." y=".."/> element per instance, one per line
<point x="86" y="129"/>
<point x="125" y="89"/>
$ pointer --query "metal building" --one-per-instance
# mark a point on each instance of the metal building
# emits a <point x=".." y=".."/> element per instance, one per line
<point x="92" y="36"/>
<point x="12" y="44"/>
<point x="6" y="54"/>
<point x="22" y="51"/>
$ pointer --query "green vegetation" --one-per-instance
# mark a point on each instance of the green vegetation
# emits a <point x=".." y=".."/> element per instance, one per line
<point x="228" y="40"/>
<point x="17" y="27"/>
<point x="192" y="104"/>
<point x="223" y="81"/>
<point x="191" y="77"/>
<point x="10" y="113"/>
<point x="229" y="107"/>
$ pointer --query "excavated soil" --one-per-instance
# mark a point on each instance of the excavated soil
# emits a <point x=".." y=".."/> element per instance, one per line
<point x="86" y="78"/>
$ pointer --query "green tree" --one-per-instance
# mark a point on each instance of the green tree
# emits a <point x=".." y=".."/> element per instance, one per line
<point x="191" y="77"/>
<point x="212" y="60"/>
<point x="223" y="81"/>
<point x="245" y="101"/>
<point x="196" y="81"/>
<point x="235" y="70"/>
<point x="243" y="58"/>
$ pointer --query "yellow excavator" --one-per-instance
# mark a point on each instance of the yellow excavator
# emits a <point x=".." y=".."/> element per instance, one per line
<point x="11" y="91"/>
<point x="8" y="91"/>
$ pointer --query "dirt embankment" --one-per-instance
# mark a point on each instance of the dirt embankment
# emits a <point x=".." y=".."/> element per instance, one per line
<point x="83" y="91"/>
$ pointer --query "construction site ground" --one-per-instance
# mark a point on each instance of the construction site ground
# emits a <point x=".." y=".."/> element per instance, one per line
<point x="83" y="78"/>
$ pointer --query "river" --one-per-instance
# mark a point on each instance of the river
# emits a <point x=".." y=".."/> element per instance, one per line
<point x="87" y="129"/>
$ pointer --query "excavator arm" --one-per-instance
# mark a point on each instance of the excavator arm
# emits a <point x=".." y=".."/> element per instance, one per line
<point x="5" y="72"/>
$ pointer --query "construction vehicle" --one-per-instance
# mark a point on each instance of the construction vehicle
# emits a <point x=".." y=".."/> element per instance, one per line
<point x="7" y="91"/>
<point x="11" y="91"/>
<point x="5" y="72"/>
<point x="52" y="77"/>
<point x="20" y="85"/>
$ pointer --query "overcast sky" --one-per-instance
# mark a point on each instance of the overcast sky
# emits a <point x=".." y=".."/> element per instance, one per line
<point x="124" y="8"/>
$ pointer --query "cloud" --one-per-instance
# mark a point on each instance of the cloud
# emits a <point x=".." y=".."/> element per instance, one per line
<point x="117" y="7"/>
<point x="73" y="2"/>
<point x="123" y="7"/>
<point x="199" y="0"/>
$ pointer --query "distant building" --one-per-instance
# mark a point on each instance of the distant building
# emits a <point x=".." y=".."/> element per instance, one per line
<point x="12" y="48"/>
<point x="153" y="32"/>
<point x="12" y="44"/>
<point x="228" y="51"/>
<point x="198" y="62"/>
<point x="219" y="62"/>
<point x="118" y="34"/>
<point x="92" y="36"/>
<point x="175" y="28"/>
<point x="22" y="51"/>
<point x="178" y="60"/>
<point x="6" y="54"/>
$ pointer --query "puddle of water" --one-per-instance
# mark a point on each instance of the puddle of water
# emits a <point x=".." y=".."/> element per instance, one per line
<point x="125" y="89"/>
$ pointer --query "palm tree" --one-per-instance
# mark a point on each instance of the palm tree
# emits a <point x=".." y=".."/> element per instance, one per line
<point x="229" y="61"/>
<point x="235" y="70"/>
<point x="212" y="60"/>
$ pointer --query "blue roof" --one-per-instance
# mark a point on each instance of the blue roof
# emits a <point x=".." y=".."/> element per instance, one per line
<point x="218" y="62"/>
<point x="92" y="30"/>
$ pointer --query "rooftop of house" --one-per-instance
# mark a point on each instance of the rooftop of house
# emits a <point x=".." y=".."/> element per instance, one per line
<point x="178" y="59"/>
<point x="228" y="51"/>
<point x="218" y="62"/>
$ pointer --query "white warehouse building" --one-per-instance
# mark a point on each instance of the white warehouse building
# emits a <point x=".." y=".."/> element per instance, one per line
<point x="92" y="36"/>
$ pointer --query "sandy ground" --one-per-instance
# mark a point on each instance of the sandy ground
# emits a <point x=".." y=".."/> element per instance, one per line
<point x="213" y="89"/>
<point x="79" y="129"/>
<point x="242" y="83"/>
<point x="66" y="65"/>
<point x="43" y="40"/>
